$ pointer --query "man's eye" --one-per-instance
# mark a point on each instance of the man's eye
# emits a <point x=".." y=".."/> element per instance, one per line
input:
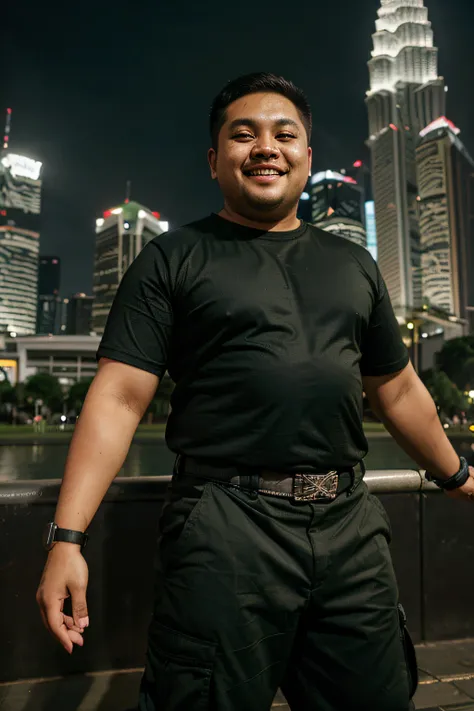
<point x="285" y="135"/>
<point x="243" y="135"/>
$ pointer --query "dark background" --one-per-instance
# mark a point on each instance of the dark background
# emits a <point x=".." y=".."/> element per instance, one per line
<point x="108" y="92"/>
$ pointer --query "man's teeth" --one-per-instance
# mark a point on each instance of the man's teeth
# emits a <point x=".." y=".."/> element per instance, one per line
<point x="264" y="171"/>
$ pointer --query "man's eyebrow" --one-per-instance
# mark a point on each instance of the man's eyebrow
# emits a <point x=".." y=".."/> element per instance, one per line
<point x="251" y="123"/>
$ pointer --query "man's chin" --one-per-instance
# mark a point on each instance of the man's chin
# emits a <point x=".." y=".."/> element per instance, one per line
<point x="265" y="203"/>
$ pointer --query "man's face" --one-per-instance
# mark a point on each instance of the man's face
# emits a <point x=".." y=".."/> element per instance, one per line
<point x="263" y="159"/>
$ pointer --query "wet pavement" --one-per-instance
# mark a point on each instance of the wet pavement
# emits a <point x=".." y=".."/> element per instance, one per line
<point x="446" y="684"/>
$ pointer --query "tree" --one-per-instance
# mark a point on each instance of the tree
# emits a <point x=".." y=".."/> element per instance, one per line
<point x="456" y="359"/>
<point x="445" y="393"/>
<point x="77" y="394"/>
<point x="7" y="392"/>
<point x="45" y="387"/>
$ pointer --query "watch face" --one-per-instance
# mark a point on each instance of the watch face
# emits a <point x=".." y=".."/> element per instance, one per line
<point x="48" y="535"/>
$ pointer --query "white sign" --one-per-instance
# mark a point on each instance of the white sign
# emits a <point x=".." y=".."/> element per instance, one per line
<point x="21" y="166"/>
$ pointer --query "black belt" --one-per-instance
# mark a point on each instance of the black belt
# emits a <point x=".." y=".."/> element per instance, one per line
<point x="300" y="486"/>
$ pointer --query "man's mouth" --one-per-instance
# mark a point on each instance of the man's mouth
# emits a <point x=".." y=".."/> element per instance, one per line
<point x="264" y="171"/>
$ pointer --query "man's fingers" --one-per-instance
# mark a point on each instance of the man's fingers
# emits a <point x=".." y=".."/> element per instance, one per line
<point x="65" y="575"/>
<point x="53" y="619"/>
<point x="69" y="622"/>
<point x="75" y="637"/>
<point x="79" y="607"/>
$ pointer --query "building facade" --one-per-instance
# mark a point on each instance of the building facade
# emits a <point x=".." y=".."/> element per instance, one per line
<point x="405" y="95"/>
<point x="337" y="205"/>
<point x="121" y="234"/>
<point x="49" y="281"/>
<point x="79" y="315"/>
<point x="445" y="172"/>
<point x="20" y="207"/>
<point x="69" y="358"/>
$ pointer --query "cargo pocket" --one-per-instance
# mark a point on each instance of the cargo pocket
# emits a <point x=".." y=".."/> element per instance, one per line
<point x="178" y="671"/>
<point x="409" y="652"/>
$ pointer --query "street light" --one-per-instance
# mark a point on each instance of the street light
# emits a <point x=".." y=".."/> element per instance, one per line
<point x="471" y="394"/>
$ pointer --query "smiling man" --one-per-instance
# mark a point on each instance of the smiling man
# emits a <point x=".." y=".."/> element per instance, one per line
<point x="273" y="568"/>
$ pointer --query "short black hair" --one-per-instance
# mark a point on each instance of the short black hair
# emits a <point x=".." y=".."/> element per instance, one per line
<point x="253" y="84"/>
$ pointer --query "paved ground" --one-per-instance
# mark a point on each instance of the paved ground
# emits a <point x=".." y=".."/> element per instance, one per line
<point x="446" y="684"/>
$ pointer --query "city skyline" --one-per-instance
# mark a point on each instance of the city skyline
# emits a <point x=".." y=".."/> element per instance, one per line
<point x="101" y="122"/>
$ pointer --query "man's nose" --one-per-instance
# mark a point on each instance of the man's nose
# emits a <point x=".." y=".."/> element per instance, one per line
<point x="266" y="148"/>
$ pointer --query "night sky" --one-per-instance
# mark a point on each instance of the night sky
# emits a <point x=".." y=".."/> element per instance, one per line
<point x="108" y="92"/>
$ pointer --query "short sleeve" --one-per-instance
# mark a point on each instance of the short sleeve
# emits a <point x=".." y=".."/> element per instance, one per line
<point x="383" y="350"/>
<point x="138" y="328"/>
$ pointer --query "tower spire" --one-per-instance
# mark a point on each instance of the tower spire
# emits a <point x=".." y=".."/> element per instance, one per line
<point x="6" y="133"/>
<point x="403" y="46"/>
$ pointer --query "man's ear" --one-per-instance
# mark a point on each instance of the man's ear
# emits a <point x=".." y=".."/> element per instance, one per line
<point x="212" y="160"/>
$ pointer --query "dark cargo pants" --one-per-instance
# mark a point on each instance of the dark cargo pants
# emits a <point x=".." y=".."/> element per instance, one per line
<point x="256" y="592"/>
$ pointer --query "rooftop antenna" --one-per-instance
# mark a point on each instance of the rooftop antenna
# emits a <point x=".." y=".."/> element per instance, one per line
<point x="128" y="189"/>
<point x="6" y="133"/>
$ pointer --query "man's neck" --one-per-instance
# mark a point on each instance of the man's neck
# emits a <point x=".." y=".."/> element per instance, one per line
<point x="290" y="222"/>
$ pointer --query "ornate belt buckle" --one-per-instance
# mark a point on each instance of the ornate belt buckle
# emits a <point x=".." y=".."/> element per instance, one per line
<point x="311" y="487"/>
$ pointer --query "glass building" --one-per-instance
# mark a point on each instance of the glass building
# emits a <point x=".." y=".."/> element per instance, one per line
<point x="121" y="233"/>
<point x="370" y="228"/>
<point x="79" y="315"/>
<point x="446" y="197"/>
<point x="337" y="205"/>
<point x="49" y="281"/>
<point x="20" y="207"/>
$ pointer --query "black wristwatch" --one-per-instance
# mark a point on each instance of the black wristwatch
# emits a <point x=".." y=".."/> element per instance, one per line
<point x="52" y="534"/>
<point x="455" y="481"/>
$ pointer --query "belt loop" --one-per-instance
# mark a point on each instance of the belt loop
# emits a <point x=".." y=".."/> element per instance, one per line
<point x="254" y="484"/>
<point x="177" y="463"/>
<point x="355" y="482"/>
<point x="250" y="482"/>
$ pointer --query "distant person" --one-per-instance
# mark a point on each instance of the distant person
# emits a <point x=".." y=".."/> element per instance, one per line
<point x="273" y="561"/>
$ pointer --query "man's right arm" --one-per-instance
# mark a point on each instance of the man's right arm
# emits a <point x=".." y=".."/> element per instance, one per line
<point x="116" y="402"/>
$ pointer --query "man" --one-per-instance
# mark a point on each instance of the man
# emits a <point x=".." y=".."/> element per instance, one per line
<point x="273" y="562"/>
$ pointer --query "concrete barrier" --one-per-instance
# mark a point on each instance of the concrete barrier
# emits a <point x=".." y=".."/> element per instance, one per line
<point x="432" y="549"/>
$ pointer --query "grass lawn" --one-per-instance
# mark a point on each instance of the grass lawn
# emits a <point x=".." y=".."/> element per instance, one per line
<point x="27" y="432"/>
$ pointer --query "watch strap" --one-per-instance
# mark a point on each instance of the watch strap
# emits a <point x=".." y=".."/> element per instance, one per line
<point x="454" y="482"/>
<point x="66" y="535"/>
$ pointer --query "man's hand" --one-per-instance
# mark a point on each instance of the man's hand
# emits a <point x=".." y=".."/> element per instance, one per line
<point x="65" y="575"/>
<point x="465" y="492"/>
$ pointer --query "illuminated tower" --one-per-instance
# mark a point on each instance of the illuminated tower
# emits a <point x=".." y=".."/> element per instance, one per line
<point x="20" y="207"/>
<point x="121" y="234"/>
<point x="405" y="96"/>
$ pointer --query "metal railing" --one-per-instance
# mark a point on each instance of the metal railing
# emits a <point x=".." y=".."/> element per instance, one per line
<point x="398" y="481"/>
<point x="379" y="481"/>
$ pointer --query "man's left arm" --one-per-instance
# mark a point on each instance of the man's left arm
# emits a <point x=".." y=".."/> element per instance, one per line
<point x="408" y="412"/>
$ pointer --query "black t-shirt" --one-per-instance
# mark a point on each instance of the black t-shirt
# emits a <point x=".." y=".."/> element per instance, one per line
<point x="266" y="335"/>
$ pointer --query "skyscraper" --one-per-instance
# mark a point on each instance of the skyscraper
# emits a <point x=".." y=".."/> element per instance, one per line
<point x="337" y="205"/>
<point x="446" y="191"/>
<point x="79" y="315"/>
<point x="20" y="205"/>
<point x="49" y="280"/>
<point x="405" y="95"/>
<point x="121" y="234"/>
